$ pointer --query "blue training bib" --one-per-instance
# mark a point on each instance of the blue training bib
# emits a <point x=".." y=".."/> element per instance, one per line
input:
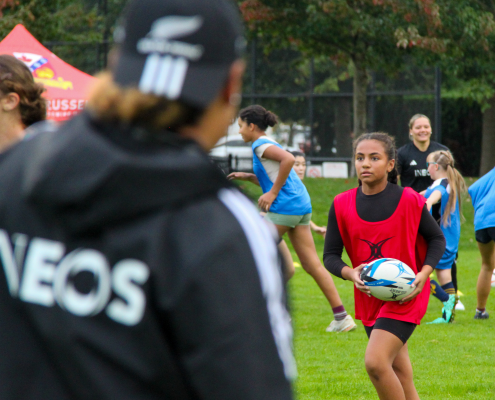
<point x="293" y="198"/>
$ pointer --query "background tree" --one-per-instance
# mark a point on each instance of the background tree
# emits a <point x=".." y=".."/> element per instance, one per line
<point x="386" y="35"/>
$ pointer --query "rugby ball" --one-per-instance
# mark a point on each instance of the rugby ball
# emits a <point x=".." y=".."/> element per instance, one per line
<point x="388" y="279"/>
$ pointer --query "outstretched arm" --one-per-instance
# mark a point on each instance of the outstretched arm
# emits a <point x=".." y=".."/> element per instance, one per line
<point x="243" y="176"/>
<point x="434" y="198"/>
<point x="321" y="230"/>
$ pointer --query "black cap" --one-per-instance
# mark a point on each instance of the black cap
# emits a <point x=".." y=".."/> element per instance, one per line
<point x="179" y="49"/>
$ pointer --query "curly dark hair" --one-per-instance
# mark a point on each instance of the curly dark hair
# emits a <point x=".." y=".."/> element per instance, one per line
<point x="15" y="77"/>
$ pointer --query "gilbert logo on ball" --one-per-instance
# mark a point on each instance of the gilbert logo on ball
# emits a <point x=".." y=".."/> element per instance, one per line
<point x="388" y="279"/>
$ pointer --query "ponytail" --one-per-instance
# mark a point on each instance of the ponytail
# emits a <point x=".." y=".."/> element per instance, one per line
<point x="259" y="116"/>
<point x="445" y="160"/>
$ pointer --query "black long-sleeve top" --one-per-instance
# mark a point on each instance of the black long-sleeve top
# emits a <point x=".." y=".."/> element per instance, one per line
<point x="375" y="208"/>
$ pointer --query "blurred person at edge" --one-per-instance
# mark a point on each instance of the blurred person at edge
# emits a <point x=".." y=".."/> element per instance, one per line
<point x="21" y="101"/>
<point x="131" y="267"/>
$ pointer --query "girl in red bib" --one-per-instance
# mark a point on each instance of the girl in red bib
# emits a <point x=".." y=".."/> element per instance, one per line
<point x="380" y="219"/>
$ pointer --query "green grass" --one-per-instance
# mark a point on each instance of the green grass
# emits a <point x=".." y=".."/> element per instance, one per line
<point x="452" y="361"/>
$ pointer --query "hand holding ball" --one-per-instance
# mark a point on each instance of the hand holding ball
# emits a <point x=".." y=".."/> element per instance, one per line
<point x="388" y="279"/>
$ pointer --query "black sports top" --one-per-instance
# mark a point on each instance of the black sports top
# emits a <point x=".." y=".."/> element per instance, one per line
<point x="375" y="208"/>
<point x="411" y="165"/>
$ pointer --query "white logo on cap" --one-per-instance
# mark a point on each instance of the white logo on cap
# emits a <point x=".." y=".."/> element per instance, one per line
<point x="166" y="28"/>
<point x="166" y="67"/>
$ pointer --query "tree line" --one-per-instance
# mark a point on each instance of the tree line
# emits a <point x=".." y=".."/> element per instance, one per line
<point x="354" y="36"/>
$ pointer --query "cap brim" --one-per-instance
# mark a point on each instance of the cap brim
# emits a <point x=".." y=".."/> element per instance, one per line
<point x="201" y="86"/>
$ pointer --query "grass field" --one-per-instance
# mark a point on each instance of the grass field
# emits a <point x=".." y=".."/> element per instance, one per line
<point x="454" y="361"/>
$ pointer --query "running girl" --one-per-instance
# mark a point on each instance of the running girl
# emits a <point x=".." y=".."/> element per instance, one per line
<point x="446" y="189"/>
<point x="381" y="219"/>
<point x="287" y="203"/>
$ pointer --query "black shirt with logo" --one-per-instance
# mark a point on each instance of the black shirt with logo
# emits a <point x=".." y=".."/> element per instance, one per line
<point x="412" y="168"/>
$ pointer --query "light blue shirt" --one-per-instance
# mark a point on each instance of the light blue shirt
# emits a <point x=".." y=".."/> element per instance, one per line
<point x="293" y="198"/>
<point x="452" y="232"/>
<point x="482" y="194"/>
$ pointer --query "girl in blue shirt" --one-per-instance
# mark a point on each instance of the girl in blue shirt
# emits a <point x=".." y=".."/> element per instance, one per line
<point x="287" y="203"/>
<point x="448" y="184"/>
<point x="482" y="194"/>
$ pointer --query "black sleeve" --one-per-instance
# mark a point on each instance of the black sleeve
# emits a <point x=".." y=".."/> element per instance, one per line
<point x="334" y="245"/>
<point x="222" y="314"/>
<point x="429" y="229"/>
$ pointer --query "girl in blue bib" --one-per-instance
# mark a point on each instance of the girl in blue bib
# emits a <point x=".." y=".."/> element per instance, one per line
<point x="287" y="203"/>
<point x="482" y="194"/>
<point x="448" y="184"/>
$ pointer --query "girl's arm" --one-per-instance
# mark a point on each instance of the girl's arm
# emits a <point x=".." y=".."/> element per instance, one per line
<point x="434" y="198"/>
<point x="243" y="176"/>
<point x="318" y="229"/>
<point x="286" y="161"/>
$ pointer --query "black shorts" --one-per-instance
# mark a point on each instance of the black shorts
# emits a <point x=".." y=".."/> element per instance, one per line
<point x="485" y="235"/>
<point x="403" y="330"/>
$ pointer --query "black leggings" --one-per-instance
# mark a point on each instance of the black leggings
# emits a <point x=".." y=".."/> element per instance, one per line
<point x="403" y="330"/>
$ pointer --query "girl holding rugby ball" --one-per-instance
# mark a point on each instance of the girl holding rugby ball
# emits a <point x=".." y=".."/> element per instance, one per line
<point x="380" y="219"/>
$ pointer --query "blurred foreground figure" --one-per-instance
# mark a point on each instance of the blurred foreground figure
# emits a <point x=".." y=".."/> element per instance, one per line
<point x="21" y="103"/>
<point x="131" y="268"/>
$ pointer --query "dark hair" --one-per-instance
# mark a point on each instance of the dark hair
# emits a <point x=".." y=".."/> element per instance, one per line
<point x="15" y="77"/>
<point x="259" y="116"/>
<point x="388" y="143"/>
<point x="297" y="154"/>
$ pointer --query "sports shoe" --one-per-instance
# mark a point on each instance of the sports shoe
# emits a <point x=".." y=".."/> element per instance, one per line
<point x="448" y="309"/>
<point x="437" y="321"/>
<point x="459" y="306"/>
<point x="481" y="315"/>
<point x="345" y="325"/>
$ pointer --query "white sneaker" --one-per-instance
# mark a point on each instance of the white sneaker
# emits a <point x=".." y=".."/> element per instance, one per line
<point x="345" y="325"/>
<point x="493" y="279"/>
<point x="459" y="306"/>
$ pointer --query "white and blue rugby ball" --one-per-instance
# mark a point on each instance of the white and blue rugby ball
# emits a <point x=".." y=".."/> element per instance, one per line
<point x="388" y="279"/>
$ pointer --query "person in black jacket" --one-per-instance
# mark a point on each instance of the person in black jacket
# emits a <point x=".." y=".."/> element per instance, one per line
<point x="130" y="267"/>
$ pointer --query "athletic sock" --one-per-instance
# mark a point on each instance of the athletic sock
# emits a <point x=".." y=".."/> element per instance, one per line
<point x="438" y="292"/>
<point x="339" y="313"/>
<point x="449" y="288"/>
<point x="481" y="310"/>
<point x="454" y="275"/>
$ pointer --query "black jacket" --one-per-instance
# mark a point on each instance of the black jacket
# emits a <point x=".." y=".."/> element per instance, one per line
<point x="132" y="270"/>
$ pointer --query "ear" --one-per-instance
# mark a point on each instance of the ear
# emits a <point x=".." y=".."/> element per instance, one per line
<point x="391" y="165"/>
<point x="10" y="101"/>
<point x="232" y="90"/>
<point x="252" y="127"/>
